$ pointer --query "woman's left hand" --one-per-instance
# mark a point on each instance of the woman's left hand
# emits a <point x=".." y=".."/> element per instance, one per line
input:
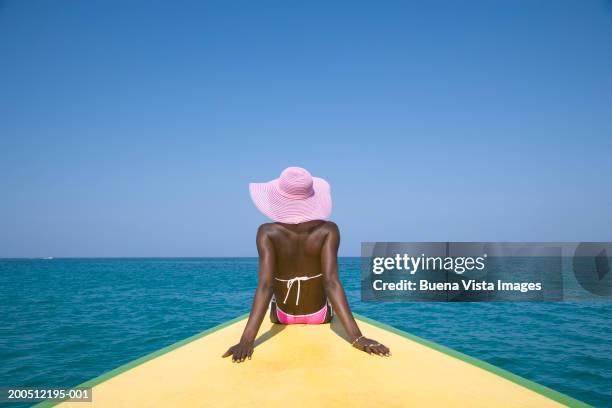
<point x="240" y="351"/>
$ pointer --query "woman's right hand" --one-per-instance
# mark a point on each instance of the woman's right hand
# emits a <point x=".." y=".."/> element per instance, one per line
<point x="371" y="347"/>
<point x="240" y="351"/>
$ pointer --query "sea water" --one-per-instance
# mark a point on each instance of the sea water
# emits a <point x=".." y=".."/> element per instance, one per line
<point x="64" y="321"/>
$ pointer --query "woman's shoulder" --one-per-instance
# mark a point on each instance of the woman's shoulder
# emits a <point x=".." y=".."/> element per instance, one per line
<point x="325" y="225"/>
<point x="330" y="226"/>
<point x="267" y="227"/>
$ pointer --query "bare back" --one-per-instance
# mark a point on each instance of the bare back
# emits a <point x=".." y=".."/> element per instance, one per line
<point x="297" y="249"/>
<point x="303" y="255"/>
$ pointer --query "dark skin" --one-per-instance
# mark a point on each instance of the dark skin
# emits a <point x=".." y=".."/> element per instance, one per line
<point x="306" y="249"/>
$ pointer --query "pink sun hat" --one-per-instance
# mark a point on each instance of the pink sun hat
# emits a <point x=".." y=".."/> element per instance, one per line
<point x="294" y="197"/>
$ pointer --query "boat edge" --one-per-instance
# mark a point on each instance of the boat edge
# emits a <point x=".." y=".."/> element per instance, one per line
<point x="500" y="372"/>
<point x="141" y="360"/>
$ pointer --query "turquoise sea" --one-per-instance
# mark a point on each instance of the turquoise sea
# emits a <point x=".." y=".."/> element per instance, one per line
<point x="64" y="321"/>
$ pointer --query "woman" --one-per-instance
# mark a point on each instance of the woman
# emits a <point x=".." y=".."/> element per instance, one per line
<point x="298" y="261"/>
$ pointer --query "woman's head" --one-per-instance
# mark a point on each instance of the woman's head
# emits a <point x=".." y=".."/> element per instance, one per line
<point x="294" y="197"/>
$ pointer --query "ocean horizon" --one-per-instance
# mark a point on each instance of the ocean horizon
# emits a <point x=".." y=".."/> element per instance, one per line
<point x="67" y="320"/>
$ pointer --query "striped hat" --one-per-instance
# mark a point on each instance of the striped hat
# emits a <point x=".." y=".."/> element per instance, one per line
<point x="294" y="197"/>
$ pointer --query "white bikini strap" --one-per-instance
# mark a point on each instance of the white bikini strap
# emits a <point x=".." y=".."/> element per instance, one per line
<point x="297" y="279"/>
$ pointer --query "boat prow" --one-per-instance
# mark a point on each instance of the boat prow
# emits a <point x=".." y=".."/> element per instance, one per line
<point x="308" y="366"/>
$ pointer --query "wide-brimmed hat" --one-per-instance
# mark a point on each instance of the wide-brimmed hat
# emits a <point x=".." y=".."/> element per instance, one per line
<point x="294" y="197"/>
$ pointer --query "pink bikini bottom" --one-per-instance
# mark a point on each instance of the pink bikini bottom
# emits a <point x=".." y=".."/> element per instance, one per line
<point x="312" y="318"/>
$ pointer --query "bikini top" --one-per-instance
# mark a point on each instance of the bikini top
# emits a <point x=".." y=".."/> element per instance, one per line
<point x="297" y="279"/>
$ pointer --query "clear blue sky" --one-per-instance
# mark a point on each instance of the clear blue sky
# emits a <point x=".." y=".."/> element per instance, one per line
<point x="133" y="128"/>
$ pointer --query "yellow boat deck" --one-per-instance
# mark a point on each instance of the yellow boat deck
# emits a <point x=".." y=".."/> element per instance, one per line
<point x="313" y="366"/>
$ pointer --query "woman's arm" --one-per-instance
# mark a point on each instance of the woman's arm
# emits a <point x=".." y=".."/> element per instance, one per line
<point x="263" y="295"/>
<point x="335" y="293"/>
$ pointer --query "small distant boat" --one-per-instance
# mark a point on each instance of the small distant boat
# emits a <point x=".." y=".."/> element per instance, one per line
<point x="48" y="257"/>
